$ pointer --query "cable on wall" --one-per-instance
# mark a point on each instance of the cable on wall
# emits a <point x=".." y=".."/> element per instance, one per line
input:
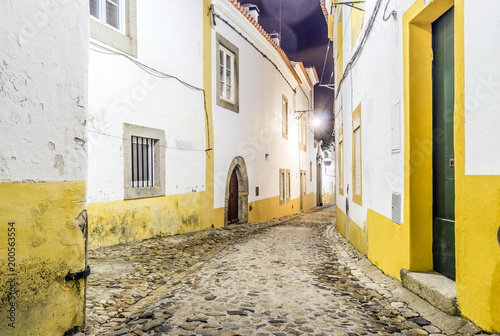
<point x="356" y="54"/>
<point x="255" y="47"/>
<point x="158" y="74"/>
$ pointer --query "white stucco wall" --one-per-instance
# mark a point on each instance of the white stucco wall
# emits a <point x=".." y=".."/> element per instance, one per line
<point x="170" y="40"/>
<point x="43" y="90"/>
<point x="257" y="129"/>
<point x="375" y="82"/>
<point x="482" y="88"/>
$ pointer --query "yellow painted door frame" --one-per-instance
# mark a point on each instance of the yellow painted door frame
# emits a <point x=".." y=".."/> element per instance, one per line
<point x="417" y="54"/>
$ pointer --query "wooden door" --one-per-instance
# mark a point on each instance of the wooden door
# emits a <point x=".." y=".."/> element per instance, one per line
<point x="443" y="152"/>
<point x="232" y="211"/>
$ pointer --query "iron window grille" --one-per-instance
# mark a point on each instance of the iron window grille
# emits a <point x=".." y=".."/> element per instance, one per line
<point x="142" y="161"/>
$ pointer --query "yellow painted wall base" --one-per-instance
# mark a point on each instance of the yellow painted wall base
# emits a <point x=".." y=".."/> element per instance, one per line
<point x="340" y="221"/>
<point x="358" y="237"/>
<point x="478" y="251"/>
<point x="388" y="244"/>
<point x="119" y="222"/>
<point x="328" y="198"/>
<point x="48" y="245"/>
<point x="269" y="208"/>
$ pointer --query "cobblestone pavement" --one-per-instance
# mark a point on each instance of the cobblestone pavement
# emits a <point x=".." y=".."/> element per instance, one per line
<point x="291" y="276"/>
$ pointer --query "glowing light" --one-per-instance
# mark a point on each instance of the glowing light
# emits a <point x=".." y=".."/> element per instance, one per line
<point x="316" y="122"/>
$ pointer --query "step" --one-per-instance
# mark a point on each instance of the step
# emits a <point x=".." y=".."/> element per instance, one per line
<point x="435" y="288"/>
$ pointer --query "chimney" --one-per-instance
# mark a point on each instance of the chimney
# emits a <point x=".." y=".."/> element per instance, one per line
<point x="253" y="10"/>
<point x="275" y="36"/>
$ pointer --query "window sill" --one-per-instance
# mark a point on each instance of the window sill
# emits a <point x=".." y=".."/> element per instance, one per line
<point x="114" y="38"/>
<point x="358" y="199"/>
<point x="145" y="192"/>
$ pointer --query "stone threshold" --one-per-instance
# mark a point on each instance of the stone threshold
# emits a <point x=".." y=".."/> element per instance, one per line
<point x="435" y="288"/>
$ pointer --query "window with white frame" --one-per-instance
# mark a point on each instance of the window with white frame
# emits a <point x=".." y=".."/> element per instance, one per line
<point x="227" y="74"/>
<point x="144" y="161"/>
<point x="114" y="23"/>
<point x="110" y="12"/>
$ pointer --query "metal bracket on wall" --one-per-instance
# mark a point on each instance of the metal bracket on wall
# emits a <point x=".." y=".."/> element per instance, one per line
<point x="78" y="275"/>
<point x="351" y="4"/>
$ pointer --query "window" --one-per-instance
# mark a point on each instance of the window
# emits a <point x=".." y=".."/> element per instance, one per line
<point x="284" y="117"/>
<point x="288" y="186"/>
<point x="285" y="186"/>
<point x="114" y="22"/>
<point x="310" y="171"/>
<point x="110" y="12"/>
<point x="227" y="74"/>
<point x="356" y="156"/>
<point x="303" y="181"/>
<point x="303" y="132"/>
<point x="144" y="161"/>
<point x="341" y="160"/>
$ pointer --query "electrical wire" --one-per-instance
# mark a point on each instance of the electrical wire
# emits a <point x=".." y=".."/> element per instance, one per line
<point x="255" y="47"/>
<point x="324" y="63"/>
<point x="360" y="46"/>
<point x="393" y="12"/>
<point x="122" y="138"/>
<point x="158" y="74"/>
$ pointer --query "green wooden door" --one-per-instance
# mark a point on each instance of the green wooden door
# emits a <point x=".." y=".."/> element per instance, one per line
<point x="443" y="154"/>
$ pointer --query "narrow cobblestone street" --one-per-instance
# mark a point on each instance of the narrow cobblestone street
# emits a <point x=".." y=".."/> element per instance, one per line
<point x="292" y="276"/>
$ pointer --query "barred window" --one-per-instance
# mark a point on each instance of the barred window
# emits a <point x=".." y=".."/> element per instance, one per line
<point x="142" y="160"/>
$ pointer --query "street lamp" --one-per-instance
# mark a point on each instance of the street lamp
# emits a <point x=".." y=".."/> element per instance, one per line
<point x="316" y="122"/>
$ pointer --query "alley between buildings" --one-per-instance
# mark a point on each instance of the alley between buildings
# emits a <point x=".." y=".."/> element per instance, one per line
<point x="289" y="276"/>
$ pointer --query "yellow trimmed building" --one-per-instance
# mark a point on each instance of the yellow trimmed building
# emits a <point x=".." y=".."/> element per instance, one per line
<point x="43" y="166"/>
<point x="416" y="126"/>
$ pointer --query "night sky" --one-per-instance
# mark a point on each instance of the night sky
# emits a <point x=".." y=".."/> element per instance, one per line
<point x="304" y="38"/>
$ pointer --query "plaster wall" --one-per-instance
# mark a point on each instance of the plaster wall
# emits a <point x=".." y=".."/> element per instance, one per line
<point x="482" y="89"/>
<point x="403" y="59"/>
<point x="121" y="92"/>
<point x="43" y="164"/>
<point x="256" y="130"/>
<point x="375" y="82"/>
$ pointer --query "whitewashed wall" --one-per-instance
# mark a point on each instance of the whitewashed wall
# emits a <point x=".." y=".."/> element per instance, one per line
<point x="482" y="88"/>
<point x="41" y="129"/>
<point x="256" y="129"/>
<point x="375" y="81"/>
<point x="170" y="39"/>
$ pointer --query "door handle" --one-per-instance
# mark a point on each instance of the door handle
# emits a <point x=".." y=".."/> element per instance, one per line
<point x="452" y="163"/>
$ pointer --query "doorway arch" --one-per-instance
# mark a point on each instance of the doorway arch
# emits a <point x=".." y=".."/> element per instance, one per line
<point x="239" y="169"/>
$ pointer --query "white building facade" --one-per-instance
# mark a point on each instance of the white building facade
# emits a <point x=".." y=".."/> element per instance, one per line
<point x="149" y="120"/>
<point x="416" y="125"/>
<point x="265" y="156"/>
<point x="43" y="165"/>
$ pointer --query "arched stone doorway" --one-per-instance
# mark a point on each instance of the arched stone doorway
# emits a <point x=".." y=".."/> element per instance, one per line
<point x="236" y="203"/>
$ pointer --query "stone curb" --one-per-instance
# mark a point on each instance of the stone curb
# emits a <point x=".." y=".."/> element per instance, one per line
<point x="407" y="303"/>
